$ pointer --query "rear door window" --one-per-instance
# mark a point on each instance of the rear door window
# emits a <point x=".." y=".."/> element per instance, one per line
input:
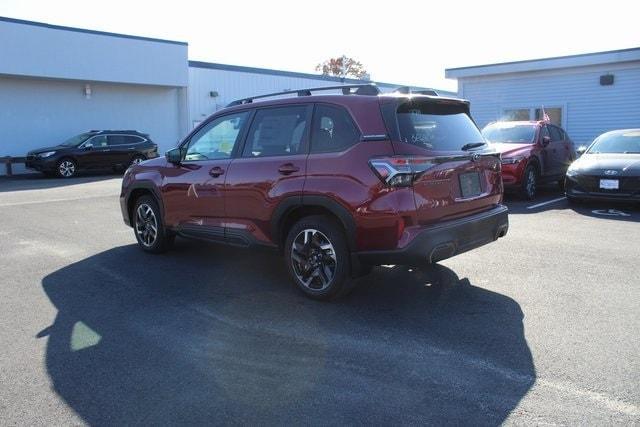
<point x="98" y="141"/>
<point x="116" y="140"/>
<point x="436" y="127"/>
<point x="332" y="130"/>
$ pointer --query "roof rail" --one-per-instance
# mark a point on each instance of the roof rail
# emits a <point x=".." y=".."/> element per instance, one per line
<point x="360" y="89"/>
<point x="408" y="91"/>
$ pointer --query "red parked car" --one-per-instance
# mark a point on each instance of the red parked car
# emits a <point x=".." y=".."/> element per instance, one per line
<point x="336" y="182"/>
<point x="532" y="152"/>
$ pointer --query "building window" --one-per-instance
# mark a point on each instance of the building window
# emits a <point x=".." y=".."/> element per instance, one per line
<point x="555" y="115"/>
<point x="516" y="114"/>
<point x="524" y="114"/>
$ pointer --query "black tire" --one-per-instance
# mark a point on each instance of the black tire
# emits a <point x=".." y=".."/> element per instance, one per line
<point x="333" y="264"/>
<point x="66" y="168"/>
<point x="529" y="184"/>
<point x="142" y="221"/>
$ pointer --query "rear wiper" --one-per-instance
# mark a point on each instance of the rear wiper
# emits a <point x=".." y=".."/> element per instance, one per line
<point x="472" y="145"/>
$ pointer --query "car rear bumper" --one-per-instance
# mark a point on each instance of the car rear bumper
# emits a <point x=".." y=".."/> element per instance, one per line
<point x="442" y="241"/>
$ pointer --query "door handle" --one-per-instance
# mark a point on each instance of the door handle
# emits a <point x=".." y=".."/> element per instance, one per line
<point x="216" y="171"/>
<point x="288" y="168"/>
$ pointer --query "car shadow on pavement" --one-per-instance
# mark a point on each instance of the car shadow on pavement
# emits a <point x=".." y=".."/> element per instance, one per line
<point x="207" y="334"/>
<point x="36" y="181"/>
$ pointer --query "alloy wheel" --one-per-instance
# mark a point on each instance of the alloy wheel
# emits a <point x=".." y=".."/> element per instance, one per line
<point x="137" y="160"/>
<point x="314" y="259"/>
<point x="531" y="183"/>
<point x="146" y="225"/>
<point x="67" y="168"/>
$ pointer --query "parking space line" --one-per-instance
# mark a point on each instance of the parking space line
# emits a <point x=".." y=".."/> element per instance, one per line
<point x="546" y="203"/>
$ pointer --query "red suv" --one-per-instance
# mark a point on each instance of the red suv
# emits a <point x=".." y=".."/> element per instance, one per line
<point x="335" y="182"/>
<point x="532" y="152"/>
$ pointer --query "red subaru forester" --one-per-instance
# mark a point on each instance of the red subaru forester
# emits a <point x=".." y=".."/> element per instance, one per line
<point x="335" y="182"/>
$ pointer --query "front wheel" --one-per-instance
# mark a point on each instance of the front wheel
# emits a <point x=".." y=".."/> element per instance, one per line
<point x="66" y="168"/>
<point x="148" y="227"/>
<point x="317" y="258"/>
<point x="529" y="183"/>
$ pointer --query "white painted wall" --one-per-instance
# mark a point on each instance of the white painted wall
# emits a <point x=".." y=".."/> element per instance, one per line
<point x="589" y="109"/>
<point x="38" y="50"/>
<point x="37" y="112"/>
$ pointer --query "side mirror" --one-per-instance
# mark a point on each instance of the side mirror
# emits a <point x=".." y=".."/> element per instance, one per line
<point x="581" y="150"/>
<point x="546" y="140"/>
<point x="88" y="146"/>
<point x="174" y="156"/>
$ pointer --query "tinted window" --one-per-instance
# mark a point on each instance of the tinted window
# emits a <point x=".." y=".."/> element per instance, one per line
<point x="116" y="140"/>
<point x="435" y="126"/>
<point x="509" y="133"/>
<point x="556" y="135"/>
<point x="333" y="130"/>
<point x="618" y="142"/>
<point x="132" y="139"/>
<point x="76" y="140"/>
<point x="277" y="132"/>
<point x="217" y="139"/>
<point x="99" y="141"/>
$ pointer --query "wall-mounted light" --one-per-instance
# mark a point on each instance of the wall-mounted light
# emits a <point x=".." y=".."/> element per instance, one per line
<point x="606" y="80"/>
<point x="87" y="91"/>
<point x="213" y="94"/>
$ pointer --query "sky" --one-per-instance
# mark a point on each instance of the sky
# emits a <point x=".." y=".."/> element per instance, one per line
<point x="404" y="42"/>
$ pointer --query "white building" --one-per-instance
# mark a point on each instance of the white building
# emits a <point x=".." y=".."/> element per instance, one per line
<point x="56" y="82"/>
<point x="586" y="94"/>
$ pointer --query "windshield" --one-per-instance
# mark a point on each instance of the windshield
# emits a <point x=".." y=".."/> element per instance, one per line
<point x="619" y="142"/>
<point x="510" y="133"/>
<point x="77" y="140"/>
<point x="436" y="127"/>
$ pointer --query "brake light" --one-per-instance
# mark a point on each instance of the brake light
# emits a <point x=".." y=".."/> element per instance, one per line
<point x="400" y="171"/>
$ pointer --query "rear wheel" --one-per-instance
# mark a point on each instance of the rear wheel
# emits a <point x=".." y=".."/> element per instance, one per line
<point x="66" y="168"/>
<point x="148" y="227"/>
<point x="529" y="183"/>
<point x="317" y="258"/>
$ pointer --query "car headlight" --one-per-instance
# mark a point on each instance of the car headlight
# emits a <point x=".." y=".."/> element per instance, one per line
<point x="512" y="160"/>
<point x="572" y="171"/>
<point x="46" y="154"/>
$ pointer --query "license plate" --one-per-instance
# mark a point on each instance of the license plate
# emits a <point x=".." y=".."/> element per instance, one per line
<point x="609" y="184"/>
<point x="470" y="184"/>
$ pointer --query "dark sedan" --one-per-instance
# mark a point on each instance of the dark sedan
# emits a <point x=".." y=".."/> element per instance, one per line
<point x="608" y="170"/>
<point x="104" y="149"/>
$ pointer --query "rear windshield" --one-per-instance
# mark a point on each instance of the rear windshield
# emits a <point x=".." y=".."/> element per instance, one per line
<point x="509" y="133"/>
<point x="436" y="127"/>
<point x="627" y="142"/>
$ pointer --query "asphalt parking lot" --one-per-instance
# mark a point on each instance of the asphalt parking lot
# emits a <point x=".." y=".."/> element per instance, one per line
<point x="539" y="327"/>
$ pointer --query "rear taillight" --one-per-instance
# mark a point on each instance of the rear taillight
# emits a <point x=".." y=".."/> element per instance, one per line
<point x="400" y="171"/>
